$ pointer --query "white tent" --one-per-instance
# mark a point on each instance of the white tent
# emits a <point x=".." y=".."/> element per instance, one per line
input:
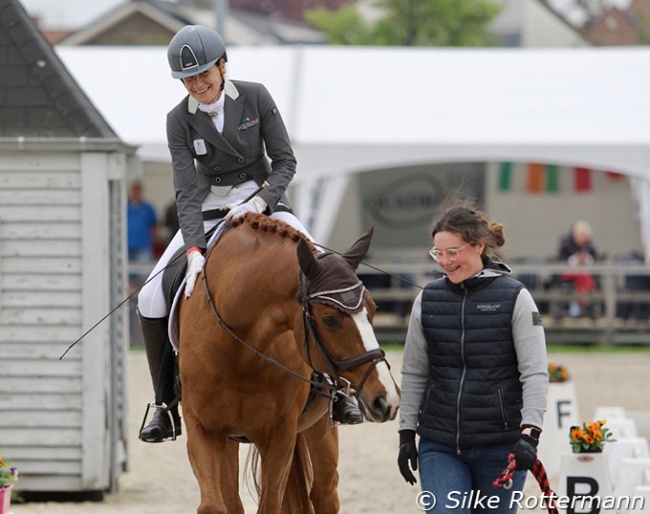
<point x="351" y="109"/>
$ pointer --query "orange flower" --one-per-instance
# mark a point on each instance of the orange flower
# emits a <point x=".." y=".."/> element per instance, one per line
<point x="577" y="433"/>
<point x="594" y="429"/>
<point x="557" y="373"/>
<point x="591" y="436"/>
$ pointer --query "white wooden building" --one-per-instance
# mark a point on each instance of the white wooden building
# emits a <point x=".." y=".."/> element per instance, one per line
<point x="62" y="268"/>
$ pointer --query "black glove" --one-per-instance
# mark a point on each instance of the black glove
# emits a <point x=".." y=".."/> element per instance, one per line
<point x="408" y="454"/>
<point x="526" y="450"/>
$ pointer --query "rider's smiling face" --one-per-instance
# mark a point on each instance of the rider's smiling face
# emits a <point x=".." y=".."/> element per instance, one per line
<point x="206" y="87"/>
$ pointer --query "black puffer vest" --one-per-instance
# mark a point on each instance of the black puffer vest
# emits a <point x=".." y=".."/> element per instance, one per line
<point x="474" y="395"/>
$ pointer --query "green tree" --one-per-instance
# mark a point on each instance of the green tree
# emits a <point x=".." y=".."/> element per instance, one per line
<point x="410" y="23"/>
<point x="341" y="27"/>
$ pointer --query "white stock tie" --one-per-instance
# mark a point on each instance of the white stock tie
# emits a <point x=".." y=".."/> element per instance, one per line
<point x="215" y="111"/>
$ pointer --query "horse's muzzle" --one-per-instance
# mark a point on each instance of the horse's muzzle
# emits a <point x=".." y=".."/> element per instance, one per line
<point x="379" y="410"/>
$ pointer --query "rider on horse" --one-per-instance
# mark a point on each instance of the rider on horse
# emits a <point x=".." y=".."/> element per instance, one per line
<point x="226" y="139"/>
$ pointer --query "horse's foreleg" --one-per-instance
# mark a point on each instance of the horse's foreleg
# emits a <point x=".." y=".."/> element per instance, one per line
<point x="215" y="463"/>
<point x="323" y="442"/>
<point x="276" y="453"/>
<point x="230" y="479"/>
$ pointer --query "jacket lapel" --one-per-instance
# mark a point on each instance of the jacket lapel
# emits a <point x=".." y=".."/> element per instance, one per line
<point x="202" y="123"/>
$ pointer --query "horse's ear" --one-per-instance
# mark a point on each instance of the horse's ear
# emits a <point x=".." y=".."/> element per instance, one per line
<point x="359" y="249"/>
<point x="308" y="263"/>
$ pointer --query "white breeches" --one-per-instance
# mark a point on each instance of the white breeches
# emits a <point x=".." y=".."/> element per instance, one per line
<point x="151" y="300"/>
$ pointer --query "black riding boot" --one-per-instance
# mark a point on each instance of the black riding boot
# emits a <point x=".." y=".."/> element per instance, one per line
<point x="161" y="366"/>
<point x="345" y="409"/>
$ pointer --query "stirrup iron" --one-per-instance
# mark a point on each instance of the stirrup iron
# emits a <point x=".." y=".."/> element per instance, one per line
<point x="165" y="408"/>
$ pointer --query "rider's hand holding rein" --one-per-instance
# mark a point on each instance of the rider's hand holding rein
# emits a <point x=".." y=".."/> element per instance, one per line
<point x="195" y="263"/>
<point x="255" y="204"/>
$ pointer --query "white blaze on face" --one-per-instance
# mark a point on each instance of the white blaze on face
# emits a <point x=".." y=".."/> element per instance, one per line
<point x="370" y="343"/>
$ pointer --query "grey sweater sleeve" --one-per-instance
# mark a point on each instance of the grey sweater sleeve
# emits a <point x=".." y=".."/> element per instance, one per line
<point x="415" y="370"/>
<point x="530" y="345"/>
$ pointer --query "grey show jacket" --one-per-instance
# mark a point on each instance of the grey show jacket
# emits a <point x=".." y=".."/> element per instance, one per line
<point x="202" y="157"/>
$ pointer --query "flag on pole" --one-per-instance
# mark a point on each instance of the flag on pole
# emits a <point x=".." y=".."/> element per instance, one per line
<point x="582" y="179"/>
<point x="505" y="176"/>
<point x="552" y="178"/>
<point x="535" y="179"/>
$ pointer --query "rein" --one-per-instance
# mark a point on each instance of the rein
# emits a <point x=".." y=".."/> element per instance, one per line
<point x="334" y="364"/>
<point x="257" y="352"/>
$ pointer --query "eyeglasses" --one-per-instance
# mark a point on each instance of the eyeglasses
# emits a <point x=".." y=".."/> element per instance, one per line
<point x="452" y="253"/>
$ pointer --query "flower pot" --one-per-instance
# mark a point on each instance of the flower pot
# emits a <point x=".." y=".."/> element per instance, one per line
<point x="5" y="499"/>
<point x="583" y="476"/>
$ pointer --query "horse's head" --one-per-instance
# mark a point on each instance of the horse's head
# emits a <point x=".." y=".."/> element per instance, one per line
<point x="338" y="314"/>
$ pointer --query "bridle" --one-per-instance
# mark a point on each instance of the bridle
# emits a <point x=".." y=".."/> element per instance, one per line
<point x="335" y="366"/>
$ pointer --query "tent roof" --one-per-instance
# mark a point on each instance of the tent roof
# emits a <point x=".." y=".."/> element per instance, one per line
<point x="353" y="109"/>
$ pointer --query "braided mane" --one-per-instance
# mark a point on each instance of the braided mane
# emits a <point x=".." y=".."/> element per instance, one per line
<point x="263" y="223"/>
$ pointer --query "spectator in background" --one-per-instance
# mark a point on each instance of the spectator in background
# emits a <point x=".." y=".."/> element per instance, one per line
<point x="141" y="223"/>
<point x="577" y="249"/>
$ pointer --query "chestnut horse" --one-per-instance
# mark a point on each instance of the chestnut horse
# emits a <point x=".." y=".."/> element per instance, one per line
<point x="270" y="312"/>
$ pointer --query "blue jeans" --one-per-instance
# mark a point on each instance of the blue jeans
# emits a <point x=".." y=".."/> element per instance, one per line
<point x="463" y="483"/>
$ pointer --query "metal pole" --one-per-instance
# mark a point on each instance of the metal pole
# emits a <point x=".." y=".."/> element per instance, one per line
<point x="220" y="14"/>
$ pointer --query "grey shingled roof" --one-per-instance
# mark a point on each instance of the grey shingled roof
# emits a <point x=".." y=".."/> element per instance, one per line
<point x="38" y="96"/>
<point x="242" y="28"/>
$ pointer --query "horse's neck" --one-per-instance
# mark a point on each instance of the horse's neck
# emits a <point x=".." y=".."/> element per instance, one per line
<point x="256" y="277"/>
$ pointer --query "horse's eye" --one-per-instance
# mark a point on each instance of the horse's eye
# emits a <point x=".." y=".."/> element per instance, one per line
<point x="331" y="322"/>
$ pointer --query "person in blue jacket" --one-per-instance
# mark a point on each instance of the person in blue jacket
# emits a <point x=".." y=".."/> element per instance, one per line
<point x="141" y="227"/>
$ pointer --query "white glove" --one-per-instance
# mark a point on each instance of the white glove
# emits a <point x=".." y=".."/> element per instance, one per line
<point x="195" y="263"/>
<point x="255" y="204"/>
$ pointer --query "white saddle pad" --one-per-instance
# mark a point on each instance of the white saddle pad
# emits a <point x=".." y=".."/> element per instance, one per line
<point x="173" y="329"/>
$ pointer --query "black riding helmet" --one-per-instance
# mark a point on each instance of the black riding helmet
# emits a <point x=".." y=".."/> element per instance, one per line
<point x="193" y="50"/>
